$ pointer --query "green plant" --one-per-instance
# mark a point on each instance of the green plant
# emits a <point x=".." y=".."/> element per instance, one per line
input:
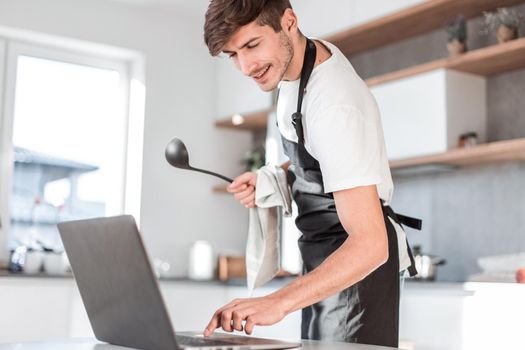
<point x="457" y="30"/>
<point x="254" y="159"/>
<point x="502" y="16"/>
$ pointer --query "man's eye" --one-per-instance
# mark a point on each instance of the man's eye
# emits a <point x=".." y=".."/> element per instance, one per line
<point x="232" y="55"/>
<point x="252" y="46"/>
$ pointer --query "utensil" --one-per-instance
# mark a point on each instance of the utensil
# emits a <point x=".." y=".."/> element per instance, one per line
<point x="426" y="265"/>
<point x="177" y="155"/>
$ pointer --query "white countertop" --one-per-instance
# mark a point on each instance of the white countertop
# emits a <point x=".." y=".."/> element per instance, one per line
<point x="91" y="344"/>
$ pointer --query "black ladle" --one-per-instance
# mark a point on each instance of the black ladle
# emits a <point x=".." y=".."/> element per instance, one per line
<point x="177" y="155"/>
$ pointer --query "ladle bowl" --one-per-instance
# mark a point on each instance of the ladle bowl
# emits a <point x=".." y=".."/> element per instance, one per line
<point x="177" y="155"/>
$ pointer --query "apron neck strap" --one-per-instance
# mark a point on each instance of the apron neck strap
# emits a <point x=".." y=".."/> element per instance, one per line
<point x="308" y="66"/>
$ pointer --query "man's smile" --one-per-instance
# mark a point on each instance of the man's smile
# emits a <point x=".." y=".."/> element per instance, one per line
<point x="261" y="74"/>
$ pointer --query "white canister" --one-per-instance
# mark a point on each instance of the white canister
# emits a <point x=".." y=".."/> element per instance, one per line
<point x="33" y="261"/>
<point x="201" y="262"/>
<point x="55" y="263"/>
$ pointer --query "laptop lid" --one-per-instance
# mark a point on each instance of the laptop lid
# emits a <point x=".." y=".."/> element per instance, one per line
<point x="117" y="284"/>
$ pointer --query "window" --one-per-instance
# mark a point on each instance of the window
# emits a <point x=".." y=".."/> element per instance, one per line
<point x="66" y="127"/>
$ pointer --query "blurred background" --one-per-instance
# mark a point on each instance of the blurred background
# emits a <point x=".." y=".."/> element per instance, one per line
<point x="92" y="91"/>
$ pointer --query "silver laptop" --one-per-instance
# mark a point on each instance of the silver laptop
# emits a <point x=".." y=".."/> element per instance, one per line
<point x="121" y="294"/>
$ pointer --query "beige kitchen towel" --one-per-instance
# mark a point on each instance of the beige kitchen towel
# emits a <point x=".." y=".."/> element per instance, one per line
<point x="272" y="200"/>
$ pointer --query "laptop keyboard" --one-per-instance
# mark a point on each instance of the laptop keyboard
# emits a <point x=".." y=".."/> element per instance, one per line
<point x="201" y="341"/>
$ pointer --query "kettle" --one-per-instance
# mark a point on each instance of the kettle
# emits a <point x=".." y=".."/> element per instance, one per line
<point x="201" y="263"/>
<point x="426" y="265"/>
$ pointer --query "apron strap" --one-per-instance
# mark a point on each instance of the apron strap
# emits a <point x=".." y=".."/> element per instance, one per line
<point x="410" y="221"/>
<point x="310" y="53"/>
<point x="407" y="221"/>
<point x="403" y="219"/>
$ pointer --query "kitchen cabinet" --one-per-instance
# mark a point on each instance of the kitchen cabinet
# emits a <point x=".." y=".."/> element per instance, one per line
<point x="426" y="114"/>
<point x="46" y="308"/>
<point x="444" y="316"/>
<point x="34" y="308"/>
<point x="462" y="316"/>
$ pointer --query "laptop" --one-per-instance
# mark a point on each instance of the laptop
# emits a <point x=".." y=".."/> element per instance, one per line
<point x="121" y="294"/>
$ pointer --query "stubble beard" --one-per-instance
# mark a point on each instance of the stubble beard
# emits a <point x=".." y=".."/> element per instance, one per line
<point x="288" y="53"/>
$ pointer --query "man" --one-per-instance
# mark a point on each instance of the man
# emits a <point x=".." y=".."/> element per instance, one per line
<point x="338" y="173"/>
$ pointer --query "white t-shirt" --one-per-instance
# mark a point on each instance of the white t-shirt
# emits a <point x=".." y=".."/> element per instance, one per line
<point x="342" y="131"/>
<point x="342" y="126"/>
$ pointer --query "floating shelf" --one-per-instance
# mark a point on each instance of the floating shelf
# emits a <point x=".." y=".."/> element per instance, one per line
<point x="410" y="22"/>
<point x="487" y="61"/>
<point x="481" y="154"/>
<point x="252" y="121"/>
<point x="509" y="150"/>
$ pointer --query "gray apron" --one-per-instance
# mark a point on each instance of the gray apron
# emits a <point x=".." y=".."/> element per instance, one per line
<point x="368" y="311"/>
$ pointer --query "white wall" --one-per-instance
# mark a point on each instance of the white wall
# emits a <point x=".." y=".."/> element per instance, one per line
<point x="178" y="207"/>
<point x="322" y="18"/>
<point x="236" y="93"/>
<point x="186" y="90"/>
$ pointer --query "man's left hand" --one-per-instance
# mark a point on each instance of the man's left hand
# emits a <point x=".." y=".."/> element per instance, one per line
<point x="262" y="311"/>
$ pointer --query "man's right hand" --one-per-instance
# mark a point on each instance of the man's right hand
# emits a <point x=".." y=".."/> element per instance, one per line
<point x="243" y="189"/>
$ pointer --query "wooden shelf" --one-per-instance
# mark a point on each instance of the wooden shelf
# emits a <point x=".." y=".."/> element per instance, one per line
<point x="481" y="154"/>
<point x="487" y="61"/>
<point x="220" y="189"/>
<point x="253" y="121"/>
<point x="509" y="150"/>
<point x="412" y="21"/>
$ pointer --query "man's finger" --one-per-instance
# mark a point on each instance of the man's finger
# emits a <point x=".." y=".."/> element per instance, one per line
<point x="213" y="325"/>
<point x="247" y="177"/>
<point x="242" y="195"/>
<point x="237" y="318"/>
<point x="250" y="323"/>
<point x="226" y="320"/>
<point x="249" y="199"/>
<point x="237" y="188"/>
<point x="216" y="318"/>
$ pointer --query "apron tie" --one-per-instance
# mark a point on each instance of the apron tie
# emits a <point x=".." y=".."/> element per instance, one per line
<point x="407" y="221"/>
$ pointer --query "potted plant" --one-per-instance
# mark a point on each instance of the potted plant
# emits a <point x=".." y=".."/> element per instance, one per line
<point x="457" y="36"/>
<point x="504" y="22"/>
<point x="254" y="159"/>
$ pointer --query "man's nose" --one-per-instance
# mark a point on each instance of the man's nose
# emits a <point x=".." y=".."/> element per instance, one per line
<point x="247" y="66"/>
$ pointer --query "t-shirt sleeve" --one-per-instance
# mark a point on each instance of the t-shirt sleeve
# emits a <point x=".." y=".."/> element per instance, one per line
<point x="347" y="146"/>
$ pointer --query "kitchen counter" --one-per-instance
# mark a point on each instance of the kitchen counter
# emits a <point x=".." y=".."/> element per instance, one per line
<point x="466" y="288"/>
<point x="462" y="288"/>
<point x="277" y="282"/>
<point x="90" y="344"/>
<point x="434" y="315"/>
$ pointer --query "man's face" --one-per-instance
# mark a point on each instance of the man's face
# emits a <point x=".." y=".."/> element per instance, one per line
<point x="260" y="53"/>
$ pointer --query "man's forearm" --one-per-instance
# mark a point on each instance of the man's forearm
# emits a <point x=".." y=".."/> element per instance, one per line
<point x="365" y="249"/>
<point x="349" y="264"/>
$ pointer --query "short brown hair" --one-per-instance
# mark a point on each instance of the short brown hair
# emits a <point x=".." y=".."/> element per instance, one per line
<point x="225" y="17"/>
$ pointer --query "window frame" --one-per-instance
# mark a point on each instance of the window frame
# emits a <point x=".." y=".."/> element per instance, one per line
<point x="4" y="161"/>
<point x="130" y="67"/>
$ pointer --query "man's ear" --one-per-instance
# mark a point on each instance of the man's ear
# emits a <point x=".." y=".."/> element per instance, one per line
<point x="289" y="21"/>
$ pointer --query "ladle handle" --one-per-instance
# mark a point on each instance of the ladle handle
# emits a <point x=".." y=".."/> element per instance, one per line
<point x="214" y="174"/>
